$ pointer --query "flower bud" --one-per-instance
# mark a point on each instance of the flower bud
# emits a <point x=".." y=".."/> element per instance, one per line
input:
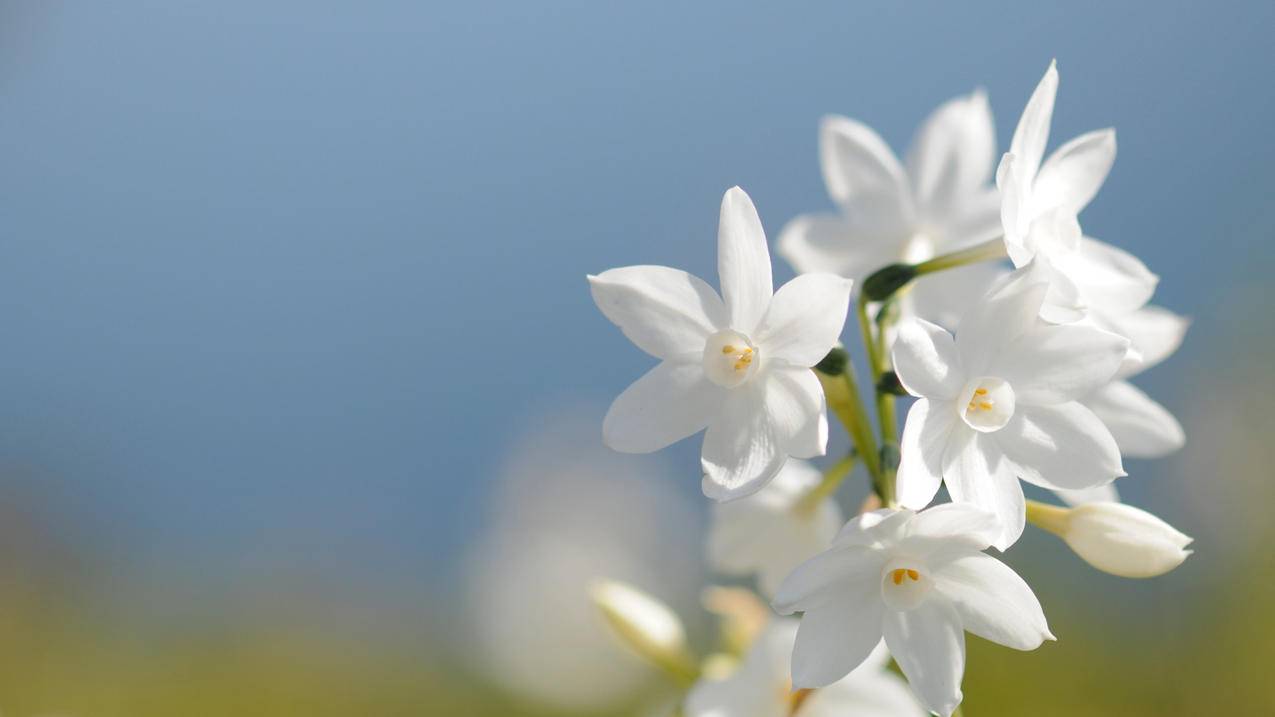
<point x="882" y="284"/>
<point x="645" y="625"/>
<point x="1115" y="538"/>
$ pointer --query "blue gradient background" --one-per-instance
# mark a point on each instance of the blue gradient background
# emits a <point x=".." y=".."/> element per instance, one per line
<point x="280" y="283"/>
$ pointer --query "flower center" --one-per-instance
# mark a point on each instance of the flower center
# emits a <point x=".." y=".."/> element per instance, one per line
<point x="989" y="404"/>
<point x="904" y="584"/>
<point x="730" y="358"/>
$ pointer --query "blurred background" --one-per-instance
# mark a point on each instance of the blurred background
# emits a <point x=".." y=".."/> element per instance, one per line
<point x="301" y="384"/>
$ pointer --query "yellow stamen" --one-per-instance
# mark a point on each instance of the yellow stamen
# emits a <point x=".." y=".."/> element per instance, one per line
<point x="985" y="405"/>
<point x="980" y="391"/>
<point x="914" y="575"/>
<point x="897" y="576"/>
<point x="728" y="349"/>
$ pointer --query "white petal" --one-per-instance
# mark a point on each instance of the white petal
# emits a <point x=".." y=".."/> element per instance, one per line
<point x="874" y="528"/>
<point x="929" y="645"/>
<point x="1108" y="278"/>
<point x="1142" y="428"/>
<point x="828" y="576"/>
<point x="665" y="312"/>
<point x="860" y="170"/>
<point x="837" y="637"/>
<point x="947" y="296"/>
<point x="976" y="472"/>
<point x="1007" y="312"/>
<point x="926" y="360"/>
<point x="954" y="152"/>
<point x="1053" y="364"/>
<point x="1075" y="171"/>
<point x="951" y="525"/>
<point x="672" y="401"/>
<point x="1032" y="132"/>
<point x="864" y="693"/>
<point x="743" y="261"/>
<point x="805" y="319"/>
<point x="1098" y="494"/>
<point x="1015" y="192"/>
<point x="1155" y="332"/>
<point x="749" y="439"/>
<point x="1060" y="446"/>
<point x="925" y="436"/>
<point x="829" y="243"/>
<point x="993" y="601"/>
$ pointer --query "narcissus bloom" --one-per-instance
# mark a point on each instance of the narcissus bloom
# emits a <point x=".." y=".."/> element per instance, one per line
<point x="761" y="687"/>
<point x="1039" y="205"/>
<point x="738" y="364"/>
<point x="999" y="403"/>
<point x="772" y="531"/>
<point x="918" y="579"/>
<point x="938" y="200"/>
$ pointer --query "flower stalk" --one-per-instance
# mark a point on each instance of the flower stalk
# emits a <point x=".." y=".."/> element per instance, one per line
<point x="836" y="375"/>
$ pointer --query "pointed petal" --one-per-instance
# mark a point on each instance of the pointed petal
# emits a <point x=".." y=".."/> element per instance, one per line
<point x="665" y="312"/>
<point x="947" y="296"/>
<point x="1004" y="314"/>
<point x="672" y="401"/>
<point x="925" y="436"/>
<point x="954" y="152"/>
<point x="926" y="360"/>
<point x="748" y="441"/>
<point x="976" y="472"/>
<point x="874" y="528"/>
<point x="951" y="526"/>
<point x="805" y="319"/>
<point x="836" y="637"/>
<point x="1075" y="171"/>
<point x="1032" y="132"/>
<point x="1108" y="278"/>
<point x="929" y="645"/>
<point x="993" y="601"/>
<point x="861" y="172"/>
<point x="743" y="261"/>
<point x="828" y="576"/>
<point x="829" y="243"/>
<point x="1155" y="332"/>
<point x="1060" y="446"/>
<point x="1142" y="428"/>
<point x="1053" y="364"/>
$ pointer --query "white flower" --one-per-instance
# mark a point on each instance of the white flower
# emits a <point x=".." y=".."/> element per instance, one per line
<point x="999" y="403"/>
<point x="738" y="364"/>
<point x="1039" y="204"/>
<point x="919" y="579"/>
<point x="770" y="532"/>
<point x="643" y="623"/>
<point x="939" y="200"/>
<point x="761" y="687"/>
<point x="1116" y="538"/>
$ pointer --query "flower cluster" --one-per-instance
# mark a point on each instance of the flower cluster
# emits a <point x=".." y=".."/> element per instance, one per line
<point x="979" y="295"/>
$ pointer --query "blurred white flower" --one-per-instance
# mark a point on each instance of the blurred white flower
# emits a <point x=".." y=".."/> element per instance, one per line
<point x="1115" y="538"/>
<point x="999" y="403"/>
<point x="1039" y="205"/>
<point x="738" y="364"/>
<point x="919" y="579"/>
<point x="939" y="200"/>
<point x="644" y="624"/>
<point x="761" y="686"/>
<point x="770" y="532"/>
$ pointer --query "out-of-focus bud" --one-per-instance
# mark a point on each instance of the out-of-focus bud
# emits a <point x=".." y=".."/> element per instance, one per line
<point x="1115" y="538"/>
<point x="882" y="284"/>
<point x="647" y="626"/>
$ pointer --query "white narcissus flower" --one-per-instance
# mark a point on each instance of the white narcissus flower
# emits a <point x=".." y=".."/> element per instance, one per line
<point x="772" y="531"/>
<point x="1039" y="204"/>
<point x="761" y="686"/>
<point x="1116" y="538"/>
<point x="999" y="403"/>
<point x="938" y="200"/>
<point x="918" y="579"/>
<point x="738" y="364"/>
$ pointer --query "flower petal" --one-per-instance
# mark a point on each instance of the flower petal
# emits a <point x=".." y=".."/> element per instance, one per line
<point x="976" y="472"/>
<point x="1053" y="364"/>
<point x="1060" y="446"/>
<point x="925" y="436"/>
<point x="837" y="637"/>
<point x="672" y="401"/>
<point x="1107" y="278"/>
<point x="1032" y="132"/>
<point x="665" y="312"/>
<point x="1142" y="428"/>
<point x="805" y="319"/>
<point x="993" y="601"/>
<point x="1155" y="332"/>
<point x="926" y="360"/>
<point x="952" y="525"/>
<point x="749" y="439"/>
<point x="827" y="576"/>
<point x="860" y="171"/>
<point x="954" y="152"/>
<point x="1004" y="314"/>
<point x="743" y="261"/>
<point x="1098" y="494"/>
<point x="829" y="243"/>
<point x="929" y="645"/>
<point x="1075" y="171"/>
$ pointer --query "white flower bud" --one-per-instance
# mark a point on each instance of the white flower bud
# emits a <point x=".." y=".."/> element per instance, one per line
<point x="645" y="625"/>
<point x="1115" y="538"/>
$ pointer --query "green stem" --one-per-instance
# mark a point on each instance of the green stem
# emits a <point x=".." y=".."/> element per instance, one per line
<point x="987" y="251"/>
<point x="832" y="478"/>
<point x="877" y="364"/>
<point x="842" y="392"/>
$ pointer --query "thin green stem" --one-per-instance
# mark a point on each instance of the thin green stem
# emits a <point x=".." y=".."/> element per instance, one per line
<point x="987" y="251"/>
<point x="877" y="365"/>
<point x="842" y="392"/>
<point x="832" y="478"/>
